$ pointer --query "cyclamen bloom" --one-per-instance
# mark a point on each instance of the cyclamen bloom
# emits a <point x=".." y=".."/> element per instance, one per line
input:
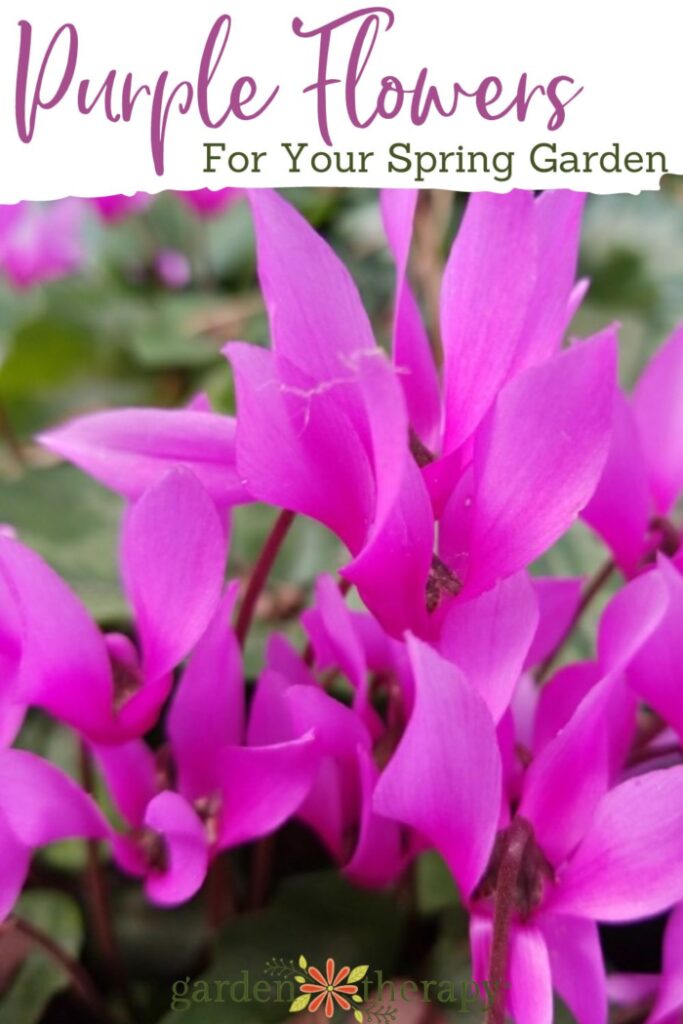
<point x="173" y="556"/>
<point x="324" y="424"/>
<point x="323" y="429"/>
<point x="41" y="241"/>
<point x="643" y="476"/>
<point x="578" y="848"/>
<point x="208" y="789"/>
<point x="207" y="202"/>
<point x="117" y="207"/>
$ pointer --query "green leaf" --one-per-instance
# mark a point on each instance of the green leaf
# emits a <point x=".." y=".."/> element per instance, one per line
<point x="73" y="523"/>
<point x="299" y="978"/>
<point x="357" y="973"/>
<point x="300" y="1004"/>
<point x="358" y="1016"/>
<point x="39" y="978"/>
<point x="303" y="962"/>
<point x="314" y="910"/>
<point x="436" y="890"/>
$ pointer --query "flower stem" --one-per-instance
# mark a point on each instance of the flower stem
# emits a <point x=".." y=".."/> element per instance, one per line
<point x="508" y="873"/>
<point x="589" y="595"/>
<point x="99" y="902"/>
<point x="80" y="979"/>
<point x="261" y="572"/>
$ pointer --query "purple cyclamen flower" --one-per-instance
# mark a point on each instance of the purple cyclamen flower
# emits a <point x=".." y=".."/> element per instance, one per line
<point x="643" y="475"/>
<point x="323" y="429"/>
<point x="208" y="789"/>
<point x="117" y="207"/>
<point x="587" y="850"/>
<point x="324" y="419"/>
<point x="290" y="703"/>
<point x="41" y="241"/>
<point x="207" y="202"/>
<point x="173" y="556"/>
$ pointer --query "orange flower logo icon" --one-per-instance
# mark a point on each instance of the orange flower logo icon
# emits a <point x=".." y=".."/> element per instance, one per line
<point x="334" y="988"/>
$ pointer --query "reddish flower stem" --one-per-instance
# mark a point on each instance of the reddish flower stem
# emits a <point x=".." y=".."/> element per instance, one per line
<point x="81" y="981"/>
<point x="221" y="902"/>
<point x="506" y="884"/>
<point x="589" y="595"/>
<point x="99" y="902"/>
<point x="260" y="574"/>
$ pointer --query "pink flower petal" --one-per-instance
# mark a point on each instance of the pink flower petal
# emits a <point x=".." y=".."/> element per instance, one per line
<point x="559" y="698"/>
<point x="558" y="600"/>
<point x="557" y="216"/>
<point x="304" y="467"/>
<point x="577" y="966"/>
<point x="633" y="615"/>
<point x="392" y="569"/>
<point x="488" y="639"/>
<point x="207" y="712"/>
<point x="378" y="858"/>
<point x="659" y="414"/>
<point x="128" y="450"/>
<point x="619" y="510"/>
<point x="669" y="1002"/>
<point x="185" y="846"/>
<point x="445" y="777"/>
<point x="530" y="999"/>
<point x="173" y="558"/>
<point x="654" y="671"/>
<point x="64" y="667"/>
<point x="263" y="787"/>
<point x="42" y="805"/>
<point x="412" y="354"/>
<point x="130" y="772"/>
<point x="629" y="864"/>
<point x="330" y="630"/>
<point x="487" y="284"/>
<point x="558" y="799"/>
<point x="539" y="457"/>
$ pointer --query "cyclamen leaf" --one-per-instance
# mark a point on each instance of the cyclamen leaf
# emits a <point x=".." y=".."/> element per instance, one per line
<point x="357" y="973"/>
<point x="300" y="1004"/>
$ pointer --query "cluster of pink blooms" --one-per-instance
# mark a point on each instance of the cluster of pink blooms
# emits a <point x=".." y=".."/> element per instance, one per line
<point x="42" y="242"/>
<point x="556" y="805"/>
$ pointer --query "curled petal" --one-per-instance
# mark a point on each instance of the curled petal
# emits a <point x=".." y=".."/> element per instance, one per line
<point x="262" y="787"/>
<point x="128" y="450"/>
<point x="42" y="805"/>
<point x="185" y="849"/>
<point x="64" y="663"/>
<point x="447" y="759"/>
